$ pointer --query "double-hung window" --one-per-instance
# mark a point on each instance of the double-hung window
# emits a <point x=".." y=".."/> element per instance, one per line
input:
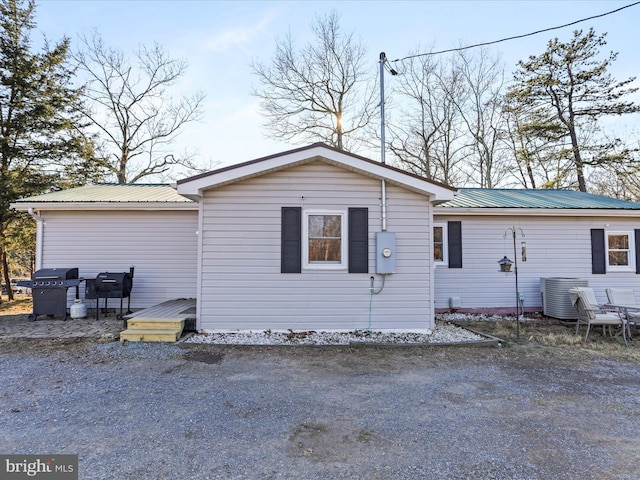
<point x="440" y="243"/>
<point x="324" y="242"/>
<point x="447" y="244"/>
<point x="620" y="251"/>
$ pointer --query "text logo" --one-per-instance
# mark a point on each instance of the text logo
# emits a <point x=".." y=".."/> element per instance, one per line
<point x="44" y="467"/>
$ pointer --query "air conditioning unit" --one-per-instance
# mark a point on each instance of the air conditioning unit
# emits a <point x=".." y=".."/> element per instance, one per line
<point x="555" y="296"/>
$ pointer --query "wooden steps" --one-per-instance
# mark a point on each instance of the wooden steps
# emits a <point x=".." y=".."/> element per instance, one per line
<point x="153" y="329"/>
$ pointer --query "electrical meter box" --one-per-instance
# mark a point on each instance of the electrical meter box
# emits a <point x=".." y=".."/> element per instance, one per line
<point x="385" y="252"/>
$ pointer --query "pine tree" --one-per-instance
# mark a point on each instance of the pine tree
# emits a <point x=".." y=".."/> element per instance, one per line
<point x="565" y="92"/>
<point x="40" y="135"/>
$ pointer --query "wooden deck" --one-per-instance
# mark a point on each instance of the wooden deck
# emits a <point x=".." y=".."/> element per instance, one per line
<point x="161" y="323"/>
<point x="180" y="308"/>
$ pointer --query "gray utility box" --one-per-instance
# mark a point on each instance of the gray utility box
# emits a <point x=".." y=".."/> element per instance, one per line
<point x="385" y="252"/>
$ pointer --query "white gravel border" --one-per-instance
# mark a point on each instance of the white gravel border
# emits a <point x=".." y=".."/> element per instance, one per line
<point x="444" y="332"/>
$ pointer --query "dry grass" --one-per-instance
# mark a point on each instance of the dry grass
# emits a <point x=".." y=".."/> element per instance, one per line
<point x="557" y="337"/>
<point x="21" y="305"/>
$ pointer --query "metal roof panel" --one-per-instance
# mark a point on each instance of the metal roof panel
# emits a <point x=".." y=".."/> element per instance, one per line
<point x="522" y="198"/>
<point x="112" y="193"/>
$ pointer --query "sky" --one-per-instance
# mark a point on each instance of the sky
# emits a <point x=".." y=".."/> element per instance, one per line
<point x="220" y="39"/>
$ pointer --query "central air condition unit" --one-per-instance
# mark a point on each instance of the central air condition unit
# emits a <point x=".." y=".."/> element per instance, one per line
<point x="555" y="296"/>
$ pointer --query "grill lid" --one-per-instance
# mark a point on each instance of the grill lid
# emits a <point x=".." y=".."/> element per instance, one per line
<point x="120" y="282"/>
<point x="50" y="274"/>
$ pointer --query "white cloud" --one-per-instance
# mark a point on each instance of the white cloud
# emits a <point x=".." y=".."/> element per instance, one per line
<point x="231" y="38"/>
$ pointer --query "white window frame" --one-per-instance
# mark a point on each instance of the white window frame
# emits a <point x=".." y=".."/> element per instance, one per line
<point x="631" y="252"/>
<point x="343" y="241"/>
<point x="445" y="241"/>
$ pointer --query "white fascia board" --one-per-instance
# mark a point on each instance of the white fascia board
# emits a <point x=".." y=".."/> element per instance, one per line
<point x="534" y="212"/>
<point x="85" y="206"/>
<point x="194" y="188"/>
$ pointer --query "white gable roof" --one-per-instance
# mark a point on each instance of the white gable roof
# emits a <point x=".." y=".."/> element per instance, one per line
<point x="193" y="186"/>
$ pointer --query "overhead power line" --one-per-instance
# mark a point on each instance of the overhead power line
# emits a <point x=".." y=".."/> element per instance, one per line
<point x="516" y="36"/>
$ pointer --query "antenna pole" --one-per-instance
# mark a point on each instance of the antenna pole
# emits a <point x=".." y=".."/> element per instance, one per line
<point x="383" y="59"/>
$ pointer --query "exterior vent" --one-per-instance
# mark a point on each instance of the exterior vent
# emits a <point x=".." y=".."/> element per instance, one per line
<point x="555" y="296"/>
<point x="455" y="303"/>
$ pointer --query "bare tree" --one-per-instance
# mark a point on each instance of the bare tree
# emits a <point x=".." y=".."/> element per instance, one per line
<point x="321" y="92"/>
<point x="481" y="111"/>
<point x="415" y="137"/>
<point x="450" y="125"/>
<point x="129" y="103"/>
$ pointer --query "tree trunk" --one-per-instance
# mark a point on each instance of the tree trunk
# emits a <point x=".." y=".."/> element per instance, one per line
<point x="577" y="160"/>
<point x="5" y="273"/>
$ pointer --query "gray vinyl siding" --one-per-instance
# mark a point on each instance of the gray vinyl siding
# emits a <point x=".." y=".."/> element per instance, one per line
<point x="556" y="247"/>
<point x="242" y="287"/>
<point x="162" y="245"/>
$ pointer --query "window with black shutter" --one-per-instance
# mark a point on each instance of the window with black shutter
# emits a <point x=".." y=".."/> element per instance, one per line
<point x="358" y="240"/>
<point x="291" y="240"/>
<point x="322" y="239"/>
<point x="598" y="252"/>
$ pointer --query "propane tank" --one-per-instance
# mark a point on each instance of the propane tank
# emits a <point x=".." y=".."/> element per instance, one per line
<point x="78" y="309"/>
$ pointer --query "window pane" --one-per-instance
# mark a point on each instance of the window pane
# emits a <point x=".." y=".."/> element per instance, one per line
<point x="324" y="250"/>
<point x="325" y="238"/>
<point x="618" y="258"/>
<point x="324" y="225"/>
<point x="437" y="234"/>
<point x="438" y="251"/>
<point x="619" y="242"/>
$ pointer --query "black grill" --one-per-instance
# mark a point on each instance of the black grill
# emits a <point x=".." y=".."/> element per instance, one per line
<point x="111" y="285"/>
<point x="49" y="289"/>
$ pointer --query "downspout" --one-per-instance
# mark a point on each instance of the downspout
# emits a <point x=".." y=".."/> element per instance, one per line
<point x="384" y="204"/>
<point x="200" y="235"/>
<point x="39" y="237"/>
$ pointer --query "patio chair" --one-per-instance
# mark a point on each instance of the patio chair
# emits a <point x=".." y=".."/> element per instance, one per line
<point x="625" y="297"/>
<point x="590" y="313"/>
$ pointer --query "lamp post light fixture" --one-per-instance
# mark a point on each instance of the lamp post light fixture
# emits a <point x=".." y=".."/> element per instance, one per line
<point x="505" y="267"/>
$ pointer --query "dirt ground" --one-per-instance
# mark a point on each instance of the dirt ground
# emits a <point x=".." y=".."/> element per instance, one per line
<point x="541" y="405"/>
<point x="22" y="304"/>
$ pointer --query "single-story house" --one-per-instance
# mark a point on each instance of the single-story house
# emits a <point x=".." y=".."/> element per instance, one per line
<point x="316" y="238"/>
<point x="559" y="234"/>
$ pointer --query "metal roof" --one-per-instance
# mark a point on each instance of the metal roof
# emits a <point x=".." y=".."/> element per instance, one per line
<point x="550" y="199"/>
<point x="112" y="193"/>
<point x="465" y="198"/>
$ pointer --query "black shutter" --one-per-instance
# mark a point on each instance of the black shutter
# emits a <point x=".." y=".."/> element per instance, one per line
<point x="291" y="240"/>
<point x="358" y="240"/>
<point x="636" y="235"/>
<point x="454" y="244"/>
<point x="598" y="251"/>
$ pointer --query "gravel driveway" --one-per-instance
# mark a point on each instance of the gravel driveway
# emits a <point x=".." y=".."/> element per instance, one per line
<point x="189" y="411"/>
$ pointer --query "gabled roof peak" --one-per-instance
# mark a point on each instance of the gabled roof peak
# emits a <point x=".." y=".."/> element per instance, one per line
<point x="193" y="186"/>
